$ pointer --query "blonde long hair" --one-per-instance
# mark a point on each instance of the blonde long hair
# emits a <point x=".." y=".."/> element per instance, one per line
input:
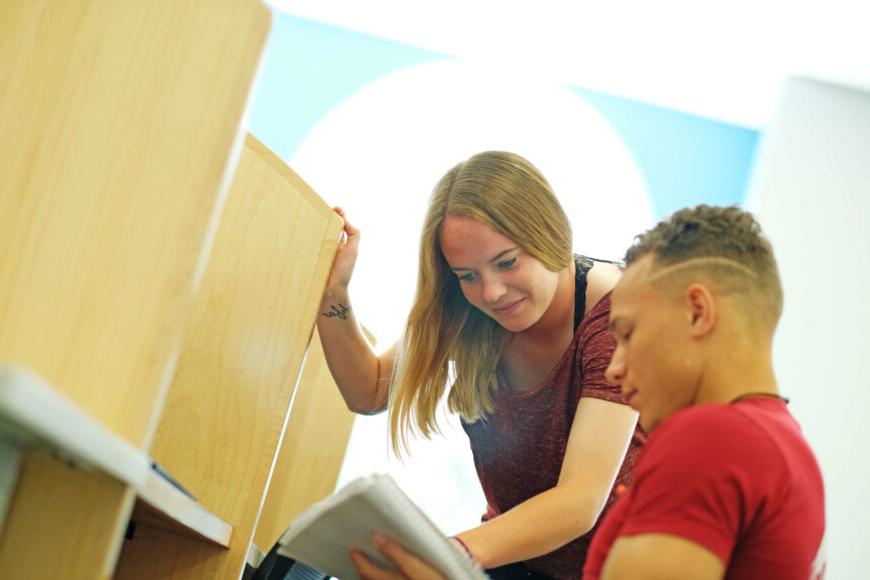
<point x="508" y="194"/>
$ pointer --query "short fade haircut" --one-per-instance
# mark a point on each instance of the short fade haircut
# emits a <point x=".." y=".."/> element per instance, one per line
<point x="722" y="245"/>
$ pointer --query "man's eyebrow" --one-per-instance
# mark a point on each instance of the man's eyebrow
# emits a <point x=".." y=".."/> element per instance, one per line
<point x="495" y="259"/>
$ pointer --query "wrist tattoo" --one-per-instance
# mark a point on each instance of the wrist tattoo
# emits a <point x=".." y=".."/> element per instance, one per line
<point x="339" y="311"/>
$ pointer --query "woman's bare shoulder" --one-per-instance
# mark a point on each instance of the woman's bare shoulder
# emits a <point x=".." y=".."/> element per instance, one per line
<point x="600" y="280"/>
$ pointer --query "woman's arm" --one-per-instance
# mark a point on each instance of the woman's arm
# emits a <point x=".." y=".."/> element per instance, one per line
<point x="599" y="438"/>
<point x="362" y="377"/>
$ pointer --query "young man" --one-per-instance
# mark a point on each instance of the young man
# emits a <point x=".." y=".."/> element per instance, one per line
<point x="726" y="485"/>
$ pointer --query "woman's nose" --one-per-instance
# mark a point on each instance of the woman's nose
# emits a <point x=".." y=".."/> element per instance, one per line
<point x="493" y="290"/>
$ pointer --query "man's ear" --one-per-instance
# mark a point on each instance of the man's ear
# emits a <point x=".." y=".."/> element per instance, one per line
<point x="702" y="308"/>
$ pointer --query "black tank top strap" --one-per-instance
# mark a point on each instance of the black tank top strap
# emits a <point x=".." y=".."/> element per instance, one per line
<point x="582" y="265"/>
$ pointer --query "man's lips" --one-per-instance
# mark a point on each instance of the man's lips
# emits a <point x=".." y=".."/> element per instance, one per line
<point x="629" y="396"/>
<point x="508" y="308"/>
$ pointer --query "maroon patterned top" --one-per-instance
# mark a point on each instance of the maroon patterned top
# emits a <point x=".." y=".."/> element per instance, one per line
<point x="518" y="450"/>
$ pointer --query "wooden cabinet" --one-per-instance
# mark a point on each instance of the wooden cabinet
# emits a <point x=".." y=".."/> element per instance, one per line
<point x="306" y="472"/>
<point x="251" y="324"/>
<point x="167" y="312"/>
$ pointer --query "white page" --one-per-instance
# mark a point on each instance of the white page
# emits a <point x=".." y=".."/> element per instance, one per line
<point x="324" y="533"/>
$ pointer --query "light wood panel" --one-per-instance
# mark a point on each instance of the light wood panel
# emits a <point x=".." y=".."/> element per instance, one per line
<point x="252" y="322"/>
<point x="117" y="123"/>
<point x="312" y="449"/>
<point x="118" y="120"/>
<point x="69" y="522"/>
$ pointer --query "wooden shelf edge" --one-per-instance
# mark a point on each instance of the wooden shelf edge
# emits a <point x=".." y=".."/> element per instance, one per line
<point x="34" y="412"/>
<point x="161" y="505"/>
<point x="255" y="556"/>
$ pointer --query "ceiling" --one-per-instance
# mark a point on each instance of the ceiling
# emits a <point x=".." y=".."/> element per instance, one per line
<point x="723" y="60"/>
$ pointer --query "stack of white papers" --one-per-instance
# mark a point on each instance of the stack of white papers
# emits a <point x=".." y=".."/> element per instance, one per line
<point x="324" y="533"/>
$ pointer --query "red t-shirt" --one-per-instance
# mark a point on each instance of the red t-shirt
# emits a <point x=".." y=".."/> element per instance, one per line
<point x="739" y="480"/>
<point x="518" y="450"/>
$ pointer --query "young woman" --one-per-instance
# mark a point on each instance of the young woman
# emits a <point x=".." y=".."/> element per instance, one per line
<point x="516" y="327"/>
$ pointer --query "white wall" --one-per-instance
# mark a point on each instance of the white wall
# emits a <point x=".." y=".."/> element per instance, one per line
<point x="811" y="192"/>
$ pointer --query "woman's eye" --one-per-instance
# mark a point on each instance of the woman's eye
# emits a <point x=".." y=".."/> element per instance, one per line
<point x="466" y="277"/>
<point x="507" y="263"/>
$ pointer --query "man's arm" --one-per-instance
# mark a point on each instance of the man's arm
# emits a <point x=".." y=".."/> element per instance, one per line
<point x="660" y="556"/>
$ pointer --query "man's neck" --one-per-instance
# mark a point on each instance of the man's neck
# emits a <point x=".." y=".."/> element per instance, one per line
<point x="736" y="375"/>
